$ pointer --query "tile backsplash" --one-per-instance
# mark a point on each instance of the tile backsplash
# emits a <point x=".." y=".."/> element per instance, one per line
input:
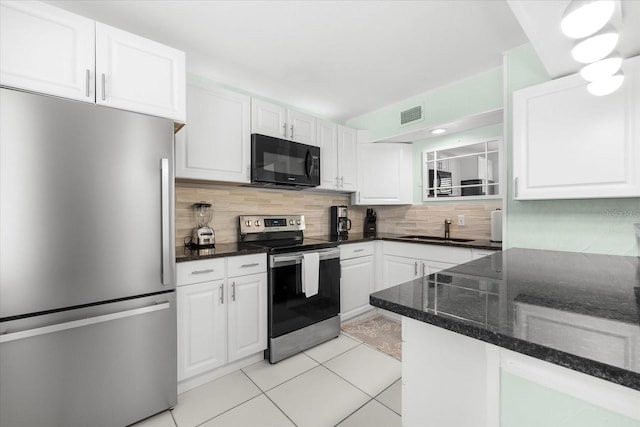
<point x="231" y="201"/>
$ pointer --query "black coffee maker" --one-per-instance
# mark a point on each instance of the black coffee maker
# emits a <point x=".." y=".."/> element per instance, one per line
<point x="370" y="223"/>
<point x="339" y="224"/>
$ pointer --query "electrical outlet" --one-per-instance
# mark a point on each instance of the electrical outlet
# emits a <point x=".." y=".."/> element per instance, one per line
<point x="461" y="220"/>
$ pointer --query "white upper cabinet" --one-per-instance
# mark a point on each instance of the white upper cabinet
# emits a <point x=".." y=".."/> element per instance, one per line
<point x="138" y="74"/>
<point x="384" y="174"/>
<point x="302" y="127"/>
<point x="273" y="120"/>
<point x="268" y="119"/>
<point x="216" y="145"/>
<point x="569" y="144"/>
<point x="327" y="139"/>
<point x="48" y="50"/>
<point x="347" y="152"/>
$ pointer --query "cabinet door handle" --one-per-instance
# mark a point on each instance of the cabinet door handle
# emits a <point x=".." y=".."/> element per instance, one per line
<point x="255" y="264"/>
<point x="284" y="129"/>
<point x="291" y="131"/>
<point x="515" y="187"/>
<point x="342" y="182"/>
<point x="233" y="291"/>
<point x="424" y="269"/>
<point x="104" y="86"/>
<point x="88" y="79"/>
<point x="209" y="270"/>
<point x="222" y="293"/>
<point x="358" y="250"/>
<point x="415" y="268"/>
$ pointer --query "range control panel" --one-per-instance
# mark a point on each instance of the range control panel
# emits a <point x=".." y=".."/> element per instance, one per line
<point x="270" y="223"/>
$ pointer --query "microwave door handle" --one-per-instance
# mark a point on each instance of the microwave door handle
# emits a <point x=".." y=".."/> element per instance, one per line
<point x="308" y="164"/>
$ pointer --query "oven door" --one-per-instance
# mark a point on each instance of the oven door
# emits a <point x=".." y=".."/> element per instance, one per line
<point x="289" y="308"/>
<point x="282" y="162"/>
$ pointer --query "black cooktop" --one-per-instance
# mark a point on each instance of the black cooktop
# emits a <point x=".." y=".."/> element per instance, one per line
<point x="276" y="246"/>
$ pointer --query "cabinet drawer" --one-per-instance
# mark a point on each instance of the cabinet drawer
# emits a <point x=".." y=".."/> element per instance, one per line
<point x="246" y="264"/>
<point x="354" y="250"/>
<point x="199" y="271"/>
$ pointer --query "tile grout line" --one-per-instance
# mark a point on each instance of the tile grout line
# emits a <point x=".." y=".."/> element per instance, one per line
<point x="265" y="395"/>
<point x="357" y="409"/>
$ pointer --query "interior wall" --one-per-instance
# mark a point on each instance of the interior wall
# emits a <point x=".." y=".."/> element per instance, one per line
<point x="592" y="225"/>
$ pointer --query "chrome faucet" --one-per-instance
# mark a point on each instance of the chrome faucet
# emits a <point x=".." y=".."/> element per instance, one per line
<point x="447" y="228"/>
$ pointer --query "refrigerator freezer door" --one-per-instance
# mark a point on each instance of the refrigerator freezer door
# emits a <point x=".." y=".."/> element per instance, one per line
<point x="106" y="365"/>
<point x="85" y="205"/>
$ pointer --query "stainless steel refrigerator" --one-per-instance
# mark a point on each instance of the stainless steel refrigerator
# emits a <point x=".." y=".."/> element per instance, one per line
<point x="87" y="260"/>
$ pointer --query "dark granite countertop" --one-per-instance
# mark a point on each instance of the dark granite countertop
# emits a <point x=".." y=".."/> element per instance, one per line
<point x="232" y="249"/>
<point x="472" y="243"/>
<point x="577" y="310"/>
<point x="220" y="250"/>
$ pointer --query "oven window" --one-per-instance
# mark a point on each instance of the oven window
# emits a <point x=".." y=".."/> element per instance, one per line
<point x="290" y="309"/>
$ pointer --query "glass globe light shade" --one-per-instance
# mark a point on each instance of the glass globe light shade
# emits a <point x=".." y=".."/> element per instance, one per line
<point x="607" y="85"/>
<point x="584" y="17"/>
<point x="596" y="47"/>
<point x="601" y="69"/>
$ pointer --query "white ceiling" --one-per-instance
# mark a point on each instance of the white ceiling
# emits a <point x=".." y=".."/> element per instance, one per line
<point x="541" y="22"/>
<point x="339" y="59"/>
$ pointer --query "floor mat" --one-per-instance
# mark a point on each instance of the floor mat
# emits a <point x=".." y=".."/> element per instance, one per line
<point x="379" y="332"/>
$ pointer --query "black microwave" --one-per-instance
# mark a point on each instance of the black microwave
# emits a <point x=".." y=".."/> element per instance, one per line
<point x="278" y="162"/>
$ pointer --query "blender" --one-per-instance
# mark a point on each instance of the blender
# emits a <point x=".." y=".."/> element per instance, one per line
<point x="203" y="235"/>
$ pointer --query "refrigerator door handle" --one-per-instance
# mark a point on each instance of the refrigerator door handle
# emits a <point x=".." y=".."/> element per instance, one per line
<point x="81" y="322"/>
<point x="167" y="253"/>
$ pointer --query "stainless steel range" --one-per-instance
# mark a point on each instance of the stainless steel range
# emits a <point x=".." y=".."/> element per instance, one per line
<point x="304" y="283"/>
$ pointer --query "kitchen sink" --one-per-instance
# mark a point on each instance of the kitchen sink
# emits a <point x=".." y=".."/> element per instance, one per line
<point x="440" y="239"/>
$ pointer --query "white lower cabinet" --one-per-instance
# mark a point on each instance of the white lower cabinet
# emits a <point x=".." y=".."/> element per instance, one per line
<point x="202" y="328"/>
<point x="402" y="262"/>
<point x="358" y="278"/>
<point x="223" y="319"/>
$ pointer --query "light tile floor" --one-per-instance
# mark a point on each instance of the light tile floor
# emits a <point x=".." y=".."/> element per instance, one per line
<point x="342" y="382"/>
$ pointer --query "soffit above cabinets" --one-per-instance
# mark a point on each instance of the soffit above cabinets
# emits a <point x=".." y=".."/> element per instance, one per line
<point x="540" y="20"/>
<point x="466" y="123"/>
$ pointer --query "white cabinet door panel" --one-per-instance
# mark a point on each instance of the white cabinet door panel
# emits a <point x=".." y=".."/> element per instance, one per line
<point x="201" y="328"/>
<point x="216" y="145"/>
<point x="302" y="127"/>
<point x="357" y="283"/>
<point x="327" y="140"/>
<point x="268" y="119"/>
<point x="397" y="270"/>
<point x="46" y="49"/>
<point x="384" y="174"/>
<point x="570" y="144"/>
<point x="247" y="315"/>
<point x="347" y="158"/>
<point x="138" y="74"/>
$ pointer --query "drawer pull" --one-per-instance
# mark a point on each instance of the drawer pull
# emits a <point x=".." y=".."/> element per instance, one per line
<point x="255" y="264"/>
<point x="358" y="250"/>
<point x="210" y="270"/>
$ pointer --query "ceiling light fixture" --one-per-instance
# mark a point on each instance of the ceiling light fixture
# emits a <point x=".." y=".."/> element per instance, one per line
<point x="438" y="131"/>
<point x="602" y="69"/>
<point x="607" y="85"/>
<point x="597" y="46"/>
<point x="584" y="17"/>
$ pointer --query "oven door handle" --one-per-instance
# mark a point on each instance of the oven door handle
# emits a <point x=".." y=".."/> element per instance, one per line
<point x="296" y="257"/>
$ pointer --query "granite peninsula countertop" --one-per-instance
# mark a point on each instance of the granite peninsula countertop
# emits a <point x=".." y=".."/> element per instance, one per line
<point x="577" y="310"/>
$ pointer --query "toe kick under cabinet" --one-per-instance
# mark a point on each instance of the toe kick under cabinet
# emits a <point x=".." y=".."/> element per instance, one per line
<point x="222" y="316"/>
